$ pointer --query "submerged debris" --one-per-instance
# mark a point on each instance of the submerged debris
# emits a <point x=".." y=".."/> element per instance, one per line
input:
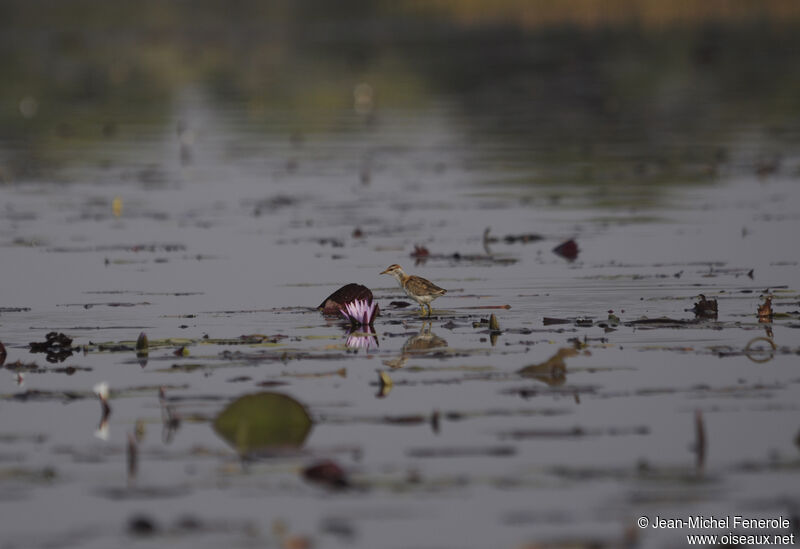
<point x="2" y="353"/>
<point x="133" y="458"/>
<point x="523" y="238"/>
<point x="344" y="295"/>
<point x="699" y="439"/>
<point x="705" y="308"/>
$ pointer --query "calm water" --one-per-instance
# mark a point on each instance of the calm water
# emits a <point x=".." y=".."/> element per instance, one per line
<point x="242" y="181"/>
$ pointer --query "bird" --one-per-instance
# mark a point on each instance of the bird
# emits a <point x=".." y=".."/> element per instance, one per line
<point x="419" y="289"/>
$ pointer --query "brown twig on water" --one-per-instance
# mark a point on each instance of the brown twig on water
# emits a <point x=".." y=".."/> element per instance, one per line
<point x="133" y="458"/>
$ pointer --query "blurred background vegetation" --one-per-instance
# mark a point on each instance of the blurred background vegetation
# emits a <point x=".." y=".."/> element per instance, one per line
<point x="677" y="82"/>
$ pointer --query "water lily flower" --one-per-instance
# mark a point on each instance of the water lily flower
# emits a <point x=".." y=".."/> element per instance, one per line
<point x="101" y="390"/>
<point x="360" y="311"/>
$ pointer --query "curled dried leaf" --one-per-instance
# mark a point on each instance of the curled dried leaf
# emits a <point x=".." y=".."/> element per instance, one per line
<point x="765" y="310"/>
<point x="706" y="308"/>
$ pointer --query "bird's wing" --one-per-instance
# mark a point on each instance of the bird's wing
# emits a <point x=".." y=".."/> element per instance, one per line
<point x="420" y="286"/>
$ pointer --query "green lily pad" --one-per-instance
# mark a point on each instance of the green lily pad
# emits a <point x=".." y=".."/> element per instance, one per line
<point x="263" y="421"/>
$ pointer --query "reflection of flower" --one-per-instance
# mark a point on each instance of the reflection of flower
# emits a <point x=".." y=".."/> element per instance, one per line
<point x="362" y="340"/>
<point x="102" y="431"/>
<point x="360" y="311"/>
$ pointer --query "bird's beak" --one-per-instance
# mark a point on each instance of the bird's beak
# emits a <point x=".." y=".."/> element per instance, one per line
<point x="385" y="272"/>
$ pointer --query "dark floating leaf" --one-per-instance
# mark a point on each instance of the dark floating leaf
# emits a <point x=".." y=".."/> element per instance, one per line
<point x="567" y="250"/>
<point x="575" y="432"/>
<point x="42" y="396"/>
<point x="661" y="322"/>
<point x="450" y="452"/>
<point x="2" y="353"/>
<point x="141" y="525"/>
<point x="489" y="259"/>
<point x="549" y="321"/>
<point x="420" y="252"/>
<point x="14" y="309"/>
<point x="20" y="366"/>
<point x="271" y="383"/>
<point x="327" y="473"/>
<point x="57" y="346"/>
<point x="345" y="294"/>
<point x="274" y="203"/>
<point x="524" y="238"/>
<point x="705" y="308"/>
<point x="399" y="304"/>
<point x="263" y="422"/>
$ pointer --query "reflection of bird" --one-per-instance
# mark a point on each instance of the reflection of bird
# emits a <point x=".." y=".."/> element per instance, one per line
<point x="423" y="341"/>
<point x="417" y="288"/>
<point x="552" y="371"/>
<point x="416" y="345"/>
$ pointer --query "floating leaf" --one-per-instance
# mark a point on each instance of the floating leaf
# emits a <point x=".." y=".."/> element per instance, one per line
<point x="346" y="294"/>
<point x="263" y="421"/>
<point x="494" y="325"/>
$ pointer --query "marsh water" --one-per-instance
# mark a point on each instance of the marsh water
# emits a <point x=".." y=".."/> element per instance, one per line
<point x="209" y="188"/>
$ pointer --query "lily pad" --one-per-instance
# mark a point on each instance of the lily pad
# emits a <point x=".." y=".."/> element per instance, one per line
<point x="263" y="421"/>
